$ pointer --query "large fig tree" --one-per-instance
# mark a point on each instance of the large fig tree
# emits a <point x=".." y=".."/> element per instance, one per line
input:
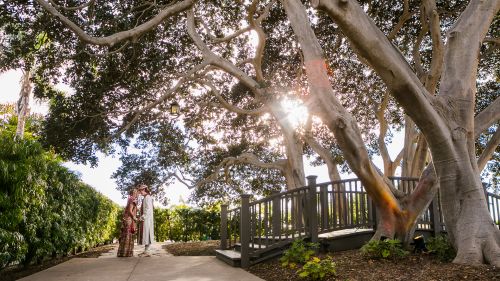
<point x="437" y="91"/>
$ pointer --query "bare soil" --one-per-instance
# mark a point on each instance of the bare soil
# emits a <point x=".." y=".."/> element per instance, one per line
<point x="352" y="266"/>
<point x="18" y="272"/>
<point x="201" y="248"/>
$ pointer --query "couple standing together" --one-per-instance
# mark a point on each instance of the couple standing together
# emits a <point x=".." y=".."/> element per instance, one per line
<point x="130" y="219"/>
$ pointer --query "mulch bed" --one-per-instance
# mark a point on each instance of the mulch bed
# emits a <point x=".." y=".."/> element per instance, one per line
<point x="17" y="272"/>
<point x="201" y="248"/>
<point x="350" y="265"/>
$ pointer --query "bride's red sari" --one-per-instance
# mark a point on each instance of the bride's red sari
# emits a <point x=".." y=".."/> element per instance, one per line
<point x="126" y="248"/>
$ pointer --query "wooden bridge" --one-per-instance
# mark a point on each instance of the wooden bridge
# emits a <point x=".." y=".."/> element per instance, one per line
<point x="338" y="214"/>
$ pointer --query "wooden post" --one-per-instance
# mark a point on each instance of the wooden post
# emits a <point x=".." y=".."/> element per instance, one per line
<point x="245" y="230"/>
<point x="223" y="227"/>
<point x="323" y="195"/>
<point x="312" y="210"/>
<point x="276" y="220"/>
<point x="372" y="212"/>
<point x="436" y="216"/>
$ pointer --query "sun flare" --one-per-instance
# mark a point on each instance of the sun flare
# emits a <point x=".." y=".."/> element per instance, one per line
<point x="296" y="112"/>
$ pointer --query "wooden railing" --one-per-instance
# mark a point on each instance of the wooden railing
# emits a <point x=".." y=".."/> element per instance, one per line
<point x="230" y="227"/>
<point x="493" y="201"/>
<point x="344" y="204"/>
<point x="269" y="223"/>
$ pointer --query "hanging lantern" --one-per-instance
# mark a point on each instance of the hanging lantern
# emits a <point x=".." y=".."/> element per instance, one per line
<point x="175" y="109"/>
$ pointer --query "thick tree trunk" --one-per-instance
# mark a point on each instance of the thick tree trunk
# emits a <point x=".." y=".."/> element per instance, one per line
<point x="295" y="164"/>
<point x="333" y="174"/>
<point x="294" y="170"/>
<point x="467" y="219"/>
<point x="324" y="103"/>
<point x="402" y="225"/>
<point x="397" y="221"/>
<point x="23" y="104"/>
<point x="409" y="147"/>
<point x="420" y="157"/>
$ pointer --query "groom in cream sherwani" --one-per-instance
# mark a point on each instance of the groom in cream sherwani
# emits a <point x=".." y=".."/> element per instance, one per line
<point x="148" y="236"/>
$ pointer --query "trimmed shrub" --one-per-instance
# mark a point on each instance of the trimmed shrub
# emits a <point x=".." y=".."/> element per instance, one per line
<point x="46" y="210"/>
<point x="184" y="223"/>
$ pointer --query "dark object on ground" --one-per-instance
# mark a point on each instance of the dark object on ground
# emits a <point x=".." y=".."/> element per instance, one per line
<point x="14" y="273"/>
<point x="200" y="248"/>
<point x="419" y="245"/>
<point x="350" y="265"/>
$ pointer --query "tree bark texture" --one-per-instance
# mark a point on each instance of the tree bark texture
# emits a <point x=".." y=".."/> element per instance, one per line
<point x="23" y="104"/>
<point x="294" y="171"/>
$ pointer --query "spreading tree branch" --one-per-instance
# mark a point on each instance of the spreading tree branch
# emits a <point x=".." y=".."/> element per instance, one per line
<point x="187" y="182"/>
<point x="230" y="106"/>
<point x="405" y="16"/>
<point x="417" y="59"/>
<point x="113" y="39"/>
<point x="218" y="61"/>
<point x="424" y="192"/>
<point x="256" y="25"/>
<point x="495" y="41"/>
<point x="489" y="116"/>
<point x="380" y="114"/>
<point x="244" y="158"/>
<point x="168" y="94"/>
<point x="489" y="150"/>
<point x="437" y="46"/>
<point x="388" y="62"/>
<point x="75" y="8"/>
<point x="460" y="67"/>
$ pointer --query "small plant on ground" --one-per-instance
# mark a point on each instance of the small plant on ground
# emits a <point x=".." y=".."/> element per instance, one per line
<point x="442" y="248"/>
<point x="299" y="253"/>
<point x="387" y="249"/>
<point x="317" y="269"/>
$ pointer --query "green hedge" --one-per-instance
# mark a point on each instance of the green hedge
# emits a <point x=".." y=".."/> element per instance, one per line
<point x="184" y="223"/>
<point x="46" y="211"/>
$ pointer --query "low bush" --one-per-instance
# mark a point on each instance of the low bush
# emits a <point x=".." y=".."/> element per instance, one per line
<point x="317" y="269"/>
<point x="299" y="253"/>
<point x="442" y="248"/>
<point x="387" y="249"/>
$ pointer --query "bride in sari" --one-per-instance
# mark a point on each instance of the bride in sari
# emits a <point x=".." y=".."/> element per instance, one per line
<point x="129" y="219"/>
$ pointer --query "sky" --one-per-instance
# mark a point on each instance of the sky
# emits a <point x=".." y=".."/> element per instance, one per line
<point x="100" y="176"/>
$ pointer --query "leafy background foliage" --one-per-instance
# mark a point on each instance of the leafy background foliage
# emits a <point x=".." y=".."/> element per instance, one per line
<point x="46" y="210"/>
<point x="184" y="223"/>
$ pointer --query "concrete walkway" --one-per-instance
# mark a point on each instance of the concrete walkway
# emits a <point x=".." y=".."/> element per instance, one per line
<point x="160" y="266"/>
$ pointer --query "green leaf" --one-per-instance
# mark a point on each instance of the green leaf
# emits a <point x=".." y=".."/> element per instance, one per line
<point x="385" y="253"/>
<point x="304" y="274"/>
